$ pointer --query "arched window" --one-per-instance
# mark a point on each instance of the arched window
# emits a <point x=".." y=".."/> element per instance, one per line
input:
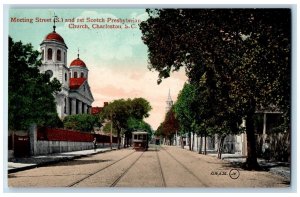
<point x="66" y="77"/>
<point x="75" y="74"/>
<point x="81" y="75"/>
<point x="49" y="54"/>
<point x="43" y="54"/>
<point x="65" y="58"/>
<point x="58" y="55"/>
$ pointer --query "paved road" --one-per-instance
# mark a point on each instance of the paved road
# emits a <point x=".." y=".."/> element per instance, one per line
<point x="158" y="167"/>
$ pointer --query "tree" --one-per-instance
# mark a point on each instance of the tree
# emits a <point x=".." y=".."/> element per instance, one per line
<point x="120" y="111"/>
<point x="185" y="112"/>
<point x="81" y="122"/>
<point x="170" y="125"/>
<point x="223" y="45"/>
<point x="30" y="93"/>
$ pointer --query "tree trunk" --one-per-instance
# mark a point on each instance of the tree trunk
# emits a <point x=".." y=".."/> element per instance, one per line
<point x="220" y="145"/>
<point x="193" y="141"/>
<point x="190" y="147"/>
<point x="124" y="146"/>
<point x="205" y="144"/>
<point x="200" y="144"/>
<point x="181" y="141"/>
<point x="251" y="161"/>
<point x="119" y="141"/>
<point x="197" y="145"/>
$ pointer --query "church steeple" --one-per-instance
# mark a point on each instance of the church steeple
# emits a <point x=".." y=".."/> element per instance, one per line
<point x="169" y="101"/>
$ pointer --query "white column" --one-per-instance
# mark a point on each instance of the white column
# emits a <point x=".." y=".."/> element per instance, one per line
<point x="73" y="106"/>
<point x="67" y="106"/>
<point x="265" y="127"/>
<point x="85" y="108"/>
<point x="79" y="107"/>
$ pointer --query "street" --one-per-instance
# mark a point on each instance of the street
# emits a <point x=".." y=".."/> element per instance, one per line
<point x="164" y="166"/>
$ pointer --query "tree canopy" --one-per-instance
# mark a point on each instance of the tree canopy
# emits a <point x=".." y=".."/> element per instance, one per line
<point x="243" y="54"/>
<point x="30" y="93"/>
<point x="81" y="122"/>
<point x="126" y="114"/>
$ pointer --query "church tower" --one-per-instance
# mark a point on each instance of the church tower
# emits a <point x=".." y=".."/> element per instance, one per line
<point x="169" y="102"/>
<point x="54" y="63"/>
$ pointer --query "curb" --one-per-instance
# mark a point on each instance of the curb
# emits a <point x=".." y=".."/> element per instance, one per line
<point x="62" y="159"/>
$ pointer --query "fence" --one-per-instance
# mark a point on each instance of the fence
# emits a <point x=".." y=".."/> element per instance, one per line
<point x="53" y="140"/>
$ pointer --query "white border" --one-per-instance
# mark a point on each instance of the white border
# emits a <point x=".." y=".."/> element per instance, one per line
<point x="157" y="3"/>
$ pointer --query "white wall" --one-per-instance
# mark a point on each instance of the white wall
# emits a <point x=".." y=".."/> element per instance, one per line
<point x="48" y="147"/>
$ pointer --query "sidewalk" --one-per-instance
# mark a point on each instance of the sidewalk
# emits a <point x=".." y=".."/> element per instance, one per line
<point x="19" y="164"/>
<point x="279" y="168"/>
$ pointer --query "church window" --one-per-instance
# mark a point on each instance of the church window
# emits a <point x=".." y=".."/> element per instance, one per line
<point x="75" y="74"/>
<point x="49" y="54"/>
<point x="66" y="77"/>
<point x="81" y="75"/>
<point x="58" y="55"/>
<point x="65" y="58"/>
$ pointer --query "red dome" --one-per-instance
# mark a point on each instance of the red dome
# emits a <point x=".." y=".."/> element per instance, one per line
<point x="78" y="62"/>
<point x="55" y="36"/>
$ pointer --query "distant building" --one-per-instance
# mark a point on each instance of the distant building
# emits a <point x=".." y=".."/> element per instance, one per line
<point x="97" y="110"/>
<point x="75" y="96"/>
<point x="169" y="102"/>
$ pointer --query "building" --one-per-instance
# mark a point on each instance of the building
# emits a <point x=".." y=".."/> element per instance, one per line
<point x="97" y="110"/>
<point x="169" y="102"/>
<point x="75" y="96"/>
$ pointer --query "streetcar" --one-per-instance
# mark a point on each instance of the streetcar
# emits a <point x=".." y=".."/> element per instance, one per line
<point x="140" y="140"/>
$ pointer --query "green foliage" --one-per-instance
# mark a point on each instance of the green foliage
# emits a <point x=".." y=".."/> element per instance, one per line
<point x="107" y="129"/>
<point x="81" y="122"/>
<point x="135" y="124"/>
<point x="126" y="115"/>
<point x="30" y="93"/>
<point x="186" y="109"/>
<point x="243" y="55"/>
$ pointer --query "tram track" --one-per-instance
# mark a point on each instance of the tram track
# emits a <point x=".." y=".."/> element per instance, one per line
<point x="185" y="167"/>
<point x="160" y="167"/>
<point x="99" y="170"/>
<point x="125" y="172"/>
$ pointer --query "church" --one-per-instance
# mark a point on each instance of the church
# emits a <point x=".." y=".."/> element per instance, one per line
<point x="75" y="96"/>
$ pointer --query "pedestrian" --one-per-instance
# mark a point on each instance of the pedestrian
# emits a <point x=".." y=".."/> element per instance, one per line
<point x="95" y="144"/>
<point x="266" y="150"/>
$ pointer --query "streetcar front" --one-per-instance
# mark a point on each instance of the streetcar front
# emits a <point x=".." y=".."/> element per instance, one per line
<point x="140" y="140"/>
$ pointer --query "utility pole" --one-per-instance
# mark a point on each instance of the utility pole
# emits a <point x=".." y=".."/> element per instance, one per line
<point x="111" y="126"/>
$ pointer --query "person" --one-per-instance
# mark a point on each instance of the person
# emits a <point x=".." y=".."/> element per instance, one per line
<point x="95" y="144"/>
<point x="266" y="149"/>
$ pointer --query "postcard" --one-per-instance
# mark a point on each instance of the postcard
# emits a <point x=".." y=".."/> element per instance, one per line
<point x="175" y="98"/>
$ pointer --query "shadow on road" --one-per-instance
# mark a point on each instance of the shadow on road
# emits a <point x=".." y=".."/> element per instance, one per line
<point x="80" y="162"/>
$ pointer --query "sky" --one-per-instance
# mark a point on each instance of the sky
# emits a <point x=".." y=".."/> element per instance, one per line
<point x="116" y="58"/>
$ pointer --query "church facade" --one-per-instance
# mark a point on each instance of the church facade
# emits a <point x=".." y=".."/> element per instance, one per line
<point x="75" y="96"/>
